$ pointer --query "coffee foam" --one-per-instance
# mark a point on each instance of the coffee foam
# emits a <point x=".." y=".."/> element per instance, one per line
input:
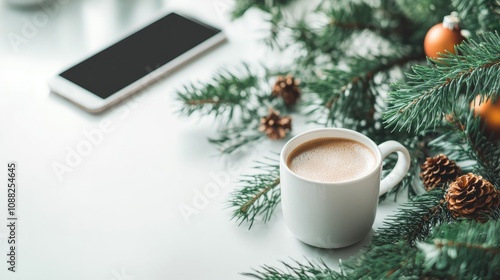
<point x="331" y="160"/>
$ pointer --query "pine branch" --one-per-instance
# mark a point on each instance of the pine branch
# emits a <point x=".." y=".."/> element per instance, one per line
<point x="465" y="250"/>
<point x="296" y="270"/>
<point x="226" y="97"/>
<point x="426" y="12"/>
<point x="242" y="6"/>
<point x="329" y="34"/>
<point x="339" y="29"/>
<point x="413" y="221"/>
<point x="237" y="101"/>
<point x="259" y="194"/>
<point x="479" y="15"/>
<point x="352" y="93"/>
<point x="433" y="90"/>
<point x="388" y="261"/>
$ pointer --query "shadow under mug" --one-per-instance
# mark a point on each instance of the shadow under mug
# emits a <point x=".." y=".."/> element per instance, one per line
<point x="335" y="215"/>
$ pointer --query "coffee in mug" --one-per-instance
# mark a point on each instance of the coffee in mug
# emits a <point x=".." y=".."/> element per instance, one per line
<point x="330" y="182"/>
<point x="332" y="160"/>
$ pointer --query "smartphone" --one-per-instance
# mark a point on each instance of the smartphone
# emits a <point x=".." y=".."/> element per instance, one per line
<point x="132" y="63"/>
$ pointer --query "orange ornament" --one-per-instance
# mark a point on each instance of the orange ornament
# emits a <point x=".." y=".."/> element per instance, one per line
<point x="489" y="113"/>
<point x="443" y="37"/>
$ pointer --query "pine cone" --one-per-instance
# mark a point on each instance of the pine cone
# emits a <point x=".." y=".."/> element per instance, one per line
<point x="288" y="88"/>
<point x="274" y="126"/>
<point x="438" y="171"/>
<point x="471" y="196"/>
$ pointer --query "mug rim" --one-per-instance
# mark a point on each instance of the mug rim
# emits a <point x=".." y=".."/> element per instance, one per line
<point x="378" y="155"/>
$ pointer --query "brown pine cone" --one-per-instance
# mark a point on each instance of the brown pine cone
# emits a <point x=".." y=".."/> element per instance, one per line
<point x="288" y="88"/>
<point x="471" y="196"/>
<point x="274" y="126"/>
<point x="438" y="171"/>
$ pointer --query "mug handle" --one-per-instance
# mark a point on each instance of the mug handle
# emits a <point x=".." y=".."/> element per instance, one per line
<point x="399" y="171"/>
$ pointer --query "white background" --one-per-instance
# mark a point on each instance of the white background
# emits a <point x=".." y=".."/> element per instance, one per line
<point x="116" y="215"/>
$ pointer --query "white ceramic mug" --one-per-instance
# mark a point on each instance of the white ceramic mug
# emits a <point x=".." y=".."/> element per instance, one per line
<point x="334" y="215"/>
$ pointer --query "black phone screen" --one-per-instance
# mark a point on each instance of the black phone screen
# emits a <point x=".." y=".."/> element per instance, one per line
<point x="138" y="54"/>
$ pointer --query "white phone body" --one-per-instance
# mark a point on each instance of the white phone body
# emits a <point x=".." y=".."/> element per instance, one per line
<point x="93" y="103"/>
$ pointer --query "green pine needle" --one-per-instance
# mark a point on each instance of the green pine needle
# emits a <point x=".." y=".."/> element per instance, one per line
<point x="258" y="195"/>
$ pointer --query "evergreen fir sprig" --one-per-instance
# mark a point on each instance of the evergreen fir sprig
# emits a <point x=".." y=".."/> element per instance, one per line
<point x="352" y="94"/>
<point x="464" y="250"/>
<point x="269" y="6"/>
<point x="277" y="24"/>
<point x="296" y="270"/>
<point x="258" y="195"/>
<point x="234" y="138"/>
<point x="413" y="220"/>
<point x="479" y="15"/>
<point x="387" y="261"/>
<point x="461" y="250"/>
<point x="426" y="12"/>
<point x="343" y="22"/>
<point x="237" y="100"/>
<point x="338" y="30"/>
<point x="226" y="97"/>
<point x="435" y="89"/>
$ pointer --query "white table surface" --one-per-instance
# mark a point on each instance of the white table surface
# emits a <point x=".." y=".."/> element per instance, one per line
<point x="116" y="215"/>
